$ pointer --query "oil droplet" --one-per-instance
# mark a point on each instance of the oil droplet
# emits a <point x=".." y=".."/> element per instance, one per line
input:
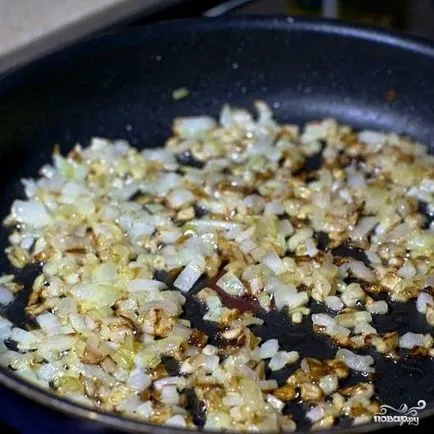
<point x="243" y="89"/>
<point x="158" y="58"/>
<point x="128" y="127"/>
<point x="276" y="104"/>
<point x="235" y="65"/>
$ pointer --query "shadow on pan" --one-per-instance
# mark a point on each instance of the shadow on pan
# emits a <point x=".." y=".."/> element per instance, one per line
<point x="120" y="86"/>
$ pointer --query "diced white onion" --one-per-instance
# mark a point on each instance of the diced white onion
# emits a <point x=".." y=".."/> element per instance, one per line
<point x="378" y="307"/>
<point x="315" y="413"/>
<point x="170" y="395"/>
<point x="180" y="197"/>
<point x="49" y="323"/>
<point x="410" y="340"/>
<point x="190" y="127"/>
<point x="328" y="383"/>
<point x="274" y="208"/>
<point x="177" y="421"/>
<point x="269" y="348"/>
<point x="145" y="409"/>
<point x="334" y="303"/>
<point x="139" y="380"/>
<point x="31" y="213"/>
<point x="282" y="358"/>
<point x="361" y="271"/>
<point x="273" y="262"/>
<point x="190" y="274"/>
<point x="231" y="284"/>
<point x="374" y="139"/>
<point x="355" y="361"/>
<point x="365" y="225"/>
<point x="423" y="300"/>
<point x="6" y="296"/>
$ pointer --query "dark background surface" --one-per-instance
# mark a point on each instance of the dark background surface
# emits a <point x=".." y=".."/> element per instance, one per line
<point x="18" y="415"/>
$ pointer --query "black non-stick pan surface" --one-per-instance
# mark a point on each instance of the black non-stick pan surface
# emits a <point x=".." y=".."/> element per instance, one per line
<point x="120" y="86"/>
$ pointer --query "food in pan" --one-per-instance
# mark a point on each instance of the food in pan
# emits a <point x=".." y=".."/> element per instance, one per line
<point x="244" y="216"/>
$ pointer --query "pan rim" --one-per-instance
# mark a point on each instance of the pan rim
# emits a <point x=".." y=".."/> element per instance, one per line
<point x="289" y="24"/>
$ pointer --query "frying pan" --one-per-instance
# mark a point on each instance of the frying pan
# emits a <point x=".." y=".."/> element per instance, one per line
<point x="120" y="86"/>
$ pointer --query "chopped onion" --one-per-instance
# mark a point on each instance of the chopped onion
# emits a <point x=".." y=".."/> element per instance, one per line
<point x="24" y="339"/>
<point x="286" y="228"/>
<point x="180" y="197"/>
<point x="104" y="273"/>
<point x="296" y="300"/>
<point x="193" y="126"/>
<point x="350" y="319"/>
<point x="177" y="421"/>
<point x="49" y="323"/>
<point x="139" y="380"/>
<point x="373" y="138"/>
<point x="364" y="329"/>
<point x="145" y="409"/>
<point x="328" y="383"/>
<point x="301" y="236"/>
<point x="410" y="340"/>
<point x="49" y="372"/>
<point x="266" y="385"/>
<point x="145" y="285"/>
<point x="228" y="202"/>
<point x="166" y="381"/>
<point x="31" y="213"/>
<point x="269" y="348"/>
<point x="361" y="271"/>
<point x="190" y="274"/>
<point x="275" y="402"/>
<point x="274" y="208"/>
<point x="423" y="300"/>
<point x="363" y="228"/>
<point x="170" y="395"/>
<point x="378" y="307"/>
<point x="231" y="284"/>
<point x="210" y="350"/>
<point x="5" y="329"/>
<point x="315" y="413"/>
<point x="334" y="303"/>
<point x="407" y="271"/>
<point x="273" y="262"/>
<point x="181" y="331"/>
<point x="6" y="297"/>
<point x="282" y="358"/>
<point x="355" y="361"/>
<point x="57" y="343"/>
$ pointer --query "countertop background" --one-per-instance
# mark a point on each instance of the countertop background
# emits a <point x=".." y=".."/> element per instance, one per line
<point x="30" y="28"/>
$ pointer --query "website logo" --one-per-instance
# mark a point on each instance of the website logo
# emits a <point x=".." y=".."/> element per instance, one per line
<point x="402" y="415"/>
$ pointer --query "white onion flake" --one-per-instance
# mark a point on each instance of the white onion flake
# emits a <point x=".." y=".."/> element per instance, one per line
<point x="410" y="340"/>
<point x="355" y="361"/>
<point x="231" y="284"/>
<point x="31" y="213"/>
<point x="423" y="300"/>
<point x="269" y="348"/>
<point x="190" y="274"/>
<point x="6" y="296"/>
